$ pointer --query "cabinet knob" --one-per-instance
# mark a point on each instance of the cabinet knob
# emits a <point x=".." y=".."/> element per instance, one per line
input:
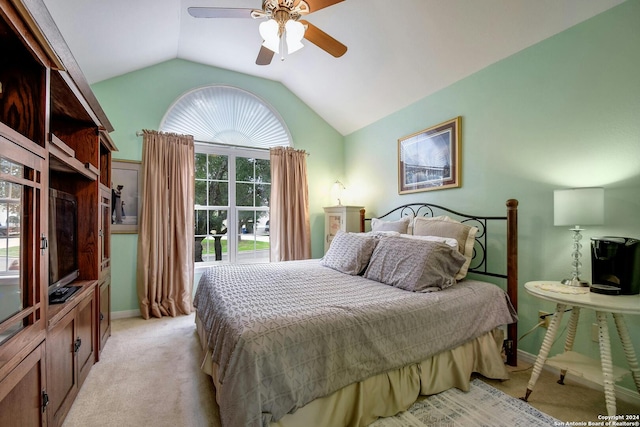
<point x="101" y="317"/>
<point x="44" y="243"/>
<point x="45" y="400"/>
<point x="77" y="344"/>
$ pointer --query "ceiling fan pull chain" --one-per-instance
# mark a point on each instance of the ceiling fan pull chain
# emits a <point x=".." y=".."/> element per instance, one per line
<point x="282" y="48"/>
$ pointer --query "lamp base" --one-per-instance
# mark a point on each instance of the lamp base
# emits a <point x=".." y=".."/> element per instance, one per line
<point x="576" y="281"/>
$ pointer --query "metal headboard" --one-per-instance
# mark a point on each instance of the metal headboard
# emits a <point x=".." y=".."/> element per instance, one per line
<point x="479" y="262"/>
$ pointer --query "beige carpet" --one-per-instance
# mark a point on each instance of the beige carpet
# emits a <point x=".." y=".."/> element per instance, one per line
<point x="149" y="374"/>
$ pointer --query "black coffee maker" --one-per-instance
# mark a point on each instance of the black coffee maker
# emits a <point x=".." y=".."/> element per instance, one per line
<point x="615" y="265"/>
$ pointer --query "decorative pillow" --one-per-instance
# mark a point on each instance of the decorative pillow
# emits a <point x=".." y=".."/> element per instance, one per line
<point x="400" y="225"/>
<point x="414" y="265"/>
<point x="449" y="241"/>
<point x="464" y="234"/>
<point x="426" y="218"/>
<point x="349" y="252"/>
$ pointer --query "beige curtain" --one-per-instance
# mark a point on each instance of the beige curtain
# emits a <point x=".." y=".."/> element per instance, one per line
<point x="166" y="233"/>
<point x="289" y="225"/>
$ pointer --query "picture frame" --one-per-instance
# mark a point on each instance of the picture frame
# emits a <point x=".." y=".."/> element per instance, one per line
<point x="430" y="159"/>
<point x="126" y="190"/>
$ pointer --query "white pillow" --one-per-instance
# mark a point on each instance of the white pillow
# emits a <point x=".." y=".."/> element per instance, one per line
<point x="449" y="241"/>
<point x="399" y="226"/>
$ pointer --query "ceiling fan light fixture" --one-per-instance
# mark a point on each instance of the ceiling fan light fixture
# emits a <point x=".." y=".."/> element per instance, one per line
<point x="294" y="31"/>
<point x="269" y="31"/>
<point x="283" y="24"/>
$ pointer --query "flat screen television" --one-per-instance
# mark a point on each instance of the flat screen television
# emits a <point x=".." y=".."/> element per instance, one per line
<point x="63" y="244"/>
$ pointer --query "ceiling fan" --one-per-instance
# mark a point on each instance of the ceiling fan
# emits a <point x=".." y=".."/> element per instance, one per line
<point x="283" y="24"/>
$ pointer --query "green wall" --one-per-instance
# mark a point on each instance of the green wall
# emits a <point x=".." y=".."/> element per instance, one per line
<point x="562" y="113"/>
<point x="139" y="100"/>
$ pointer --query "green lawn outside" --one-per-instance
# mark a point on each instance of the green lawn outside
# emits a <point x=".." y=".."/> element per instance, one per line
<point x="14" y="251"/>
<point x="243" y="245"/>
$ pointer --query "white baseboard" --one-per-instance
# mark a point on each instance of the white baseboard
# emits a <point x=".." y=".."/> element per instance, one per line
<point x="624" y="394"/>
<point x="125" y="314"/>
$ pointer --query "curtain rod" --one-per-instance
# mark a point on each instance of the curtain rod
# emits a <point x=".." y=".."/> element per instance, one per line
<point x="220" y="144"/>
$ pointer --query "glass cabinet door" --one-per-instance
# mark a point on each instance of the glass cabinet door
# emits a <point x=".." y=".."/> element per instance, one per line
<point x="21" y="269"/>
<point x="105" y="230"/>
<point x="10" y="250"/>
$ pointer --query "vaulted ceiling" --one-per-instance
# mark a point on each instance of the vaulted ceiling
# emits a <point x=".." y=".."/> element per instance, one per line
<point x="398" y="51"/>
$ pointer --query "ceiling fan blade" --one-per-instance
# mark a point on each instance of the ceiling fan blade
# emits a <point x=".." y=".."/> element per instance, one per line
<point x="315" y="5"/>
<point x="219" y="12"/>
<point x="264" y="56"/>
<point x="323" y="40"/>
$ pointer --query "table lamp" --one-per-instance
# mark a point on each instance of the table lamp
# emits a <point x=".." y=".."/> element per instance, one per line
<point x="578" y="206"/>
<point x="337" y="190"/>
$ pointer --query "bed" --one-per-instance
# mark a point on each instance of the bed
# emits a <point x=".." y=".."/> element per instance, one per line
<point x="364" y="331"/>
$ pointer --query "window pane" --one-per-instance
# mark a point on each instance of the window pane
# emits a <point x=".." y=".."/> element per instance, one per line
<point x="253" y="238"/>
<point x="201" y="166"/>
<point x="218" y="194"/>
<point x="214" y="246"/>
<point x="218" y="167"/>
<point x="244" y="169"/>
<point x="244" y="195"/>
<point x="263" y="194"/>
<point x="262" y="221"/>
<point x="200" y="221"/>
<point x="201" y="193"/>
<point x="246" y="221"/>
<point x="263" y="171"/>
<point x="217" y="222"/>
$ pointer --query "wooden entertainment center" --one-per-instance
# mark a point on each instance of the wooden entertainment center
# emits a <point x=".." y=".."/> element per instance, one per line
<point x="53" y="135"/>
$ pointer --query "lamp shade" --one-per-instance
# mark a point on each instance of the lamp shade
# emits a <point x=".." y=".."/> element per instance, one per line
<point x="578" y="206"/>
<point x="269" y="30"/>
<point x="294" y="33"/>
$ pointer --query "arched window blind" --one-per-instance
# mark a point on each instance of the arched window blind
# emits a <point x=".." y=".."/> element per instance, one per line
<point x="226" y="115"/>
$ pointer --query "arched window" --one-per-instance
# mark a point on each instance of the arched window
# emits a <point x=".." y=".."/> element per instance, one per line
<point x="228" y="116"/>
<point x="233" y="130"/>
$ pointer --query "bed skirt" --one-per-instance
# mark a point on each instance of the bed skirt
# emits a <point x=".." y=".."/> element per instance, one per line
<point x="387" y="394"/>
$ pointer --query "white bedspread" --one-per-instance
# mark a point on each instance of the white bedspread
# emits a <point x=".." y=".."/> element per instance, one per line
<point x="284" y="334"/>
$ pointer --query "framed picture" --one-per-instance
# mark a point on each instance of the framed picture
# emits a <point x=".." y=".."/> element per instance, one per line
<point x="430" y="159"/>
<point x="126" y="190"/>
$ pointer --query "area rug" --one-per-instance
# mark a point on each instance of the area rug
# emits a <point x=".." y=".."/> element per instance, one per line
<point x="482" y="405"/>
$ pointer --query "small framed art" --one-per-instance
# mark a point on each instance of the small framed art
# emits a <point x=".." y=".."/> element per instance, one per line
<point x="430" y="159"/>
<point x="126" y="190"/>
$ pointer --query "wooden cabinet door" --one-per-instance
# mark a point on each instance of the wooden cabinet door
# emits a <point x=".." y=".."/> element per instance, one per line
<point x="22" y="392"/>
<point x="105" y="311"/>
<point x="61" y="368"/>
<point x="86" y="333"/>
<point x="70" y="356"/>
